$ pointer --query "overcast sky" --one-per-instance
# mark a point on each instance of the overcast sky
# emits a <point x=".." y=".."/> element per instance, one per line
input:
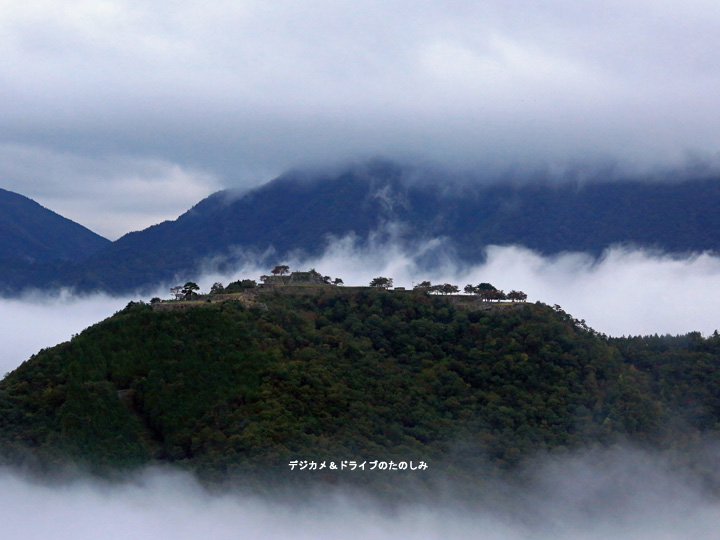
<point x="121" y="113"/>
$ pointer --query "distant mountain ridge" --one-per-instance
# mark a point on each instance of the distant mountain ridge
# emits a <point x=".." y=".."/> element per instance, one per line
<point x="31" y="232"/>
<point x="301" y="213"/>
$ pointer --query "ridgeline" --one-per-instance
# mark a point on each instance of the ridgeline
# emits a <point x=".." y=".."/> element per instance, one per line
<point x="302" y="214"/>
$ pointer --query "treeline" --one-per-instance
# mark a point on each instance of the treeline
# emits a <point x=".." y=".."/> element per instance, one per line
<point x="486" y="291"/>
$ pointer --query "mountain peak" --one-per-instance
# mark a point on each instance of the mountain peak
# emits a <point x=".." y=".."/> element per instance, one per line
<point x="31" y="232"/>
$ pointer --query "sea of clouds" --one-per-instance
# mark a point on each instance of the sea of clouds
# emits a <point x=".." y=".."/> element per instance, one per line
<point x="625" y="292"/>
<point x="623" y="494"/>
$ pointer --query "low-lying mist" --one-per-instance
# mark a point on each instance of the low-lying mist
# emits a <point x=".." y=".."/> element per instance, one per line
<point x="618" y="493"/>
<point x="626" y="292"/>
<point x="41" y="320"/>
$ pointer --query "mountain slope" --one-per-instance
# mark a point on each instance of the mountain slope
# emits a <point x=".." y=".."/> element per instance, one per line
<point x="284" y="215"/>
<point x="301" y="213"/>
<point x="30" y="232"/>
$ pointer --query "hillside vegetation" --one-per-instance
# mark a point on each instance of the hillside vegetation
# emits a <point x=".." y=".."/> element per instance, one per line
<point x="224" y="389"/>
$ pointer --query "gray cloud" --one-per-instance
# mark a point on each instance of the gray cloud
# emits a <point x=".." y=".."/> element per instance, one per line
<point x="620" y="493"/>
<point x="41" y="320"/>
<point x="242" y="91"/>
<point x="112" y="194"/>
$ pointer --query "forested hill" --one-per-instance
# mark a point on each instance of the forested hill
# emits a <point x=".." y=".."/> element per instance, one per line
<point x="236" y="389"/>
<point x="302" y="213"/>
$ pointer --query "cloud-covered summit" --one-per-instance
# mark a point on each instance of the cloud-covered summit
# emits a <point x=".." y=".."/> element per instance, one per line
<point x="301" y="215"/>
<point x="233" y="94"/>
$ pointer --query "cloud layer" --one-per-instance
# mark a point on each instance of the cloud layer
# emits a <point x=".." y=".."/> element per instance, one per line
<point x="240" y="91"/>
<point x="626" y="292"/>
<point x="621" y="494"/>
<point x="40" y="321"/>
<point x="111" y="195"/>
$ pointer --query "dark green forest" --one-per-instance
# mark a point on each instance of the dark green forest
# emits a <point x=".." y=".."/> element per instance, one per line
<point x="230" y="391"/>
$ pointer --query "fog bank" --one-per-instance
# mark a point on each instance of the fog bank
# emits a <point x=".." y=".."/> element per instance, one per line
<point x="41" y="320"/>
<point x="619" y="494"/>
<point x="627" y="291"/>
